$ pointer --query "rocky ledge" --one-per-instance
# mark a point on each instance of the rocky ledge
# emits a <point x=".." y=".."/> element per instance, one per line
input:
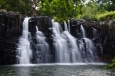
<point x="11" y="30"/>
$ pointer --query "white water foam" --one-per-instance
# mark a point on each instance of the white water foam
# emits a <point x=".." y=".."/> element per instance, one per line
<point x="24" y="51"/>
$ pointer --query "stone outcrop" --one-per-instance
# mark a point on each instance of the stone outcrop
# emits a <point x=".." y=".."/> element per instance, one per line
<point x="105" y="38"/>
<point x="11" y="30"/>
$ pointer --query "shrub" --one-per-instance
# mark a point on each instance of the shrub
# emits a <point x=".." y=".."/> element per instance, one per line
<point x="111" y="65"/>
<point x="106" y="16"/>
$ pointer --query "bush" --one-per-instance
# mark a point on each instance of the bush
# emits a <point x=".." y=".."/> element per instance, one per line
<point x="106" y="16"/>
<point x="89" y="17"/>
<point x="111" y="65"/>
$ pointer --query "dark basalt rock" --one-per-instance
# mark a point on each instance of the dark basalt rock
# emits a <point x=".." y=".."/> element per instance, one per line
<point x="44" y="25"/>
<point x="11" y="30"/>
<point x="73" y="24"/>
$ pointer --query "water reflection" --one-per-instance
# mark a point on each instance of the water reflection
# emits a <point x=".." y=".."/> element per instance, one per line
<point x="54" y="70"/>
<point x="23" y="71"/>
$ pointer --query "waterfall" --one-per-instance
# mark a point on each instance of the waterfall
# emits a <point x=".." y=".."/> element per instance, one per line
<point x="24" y="51"/>
<point x="97" y="43"/>
<point x="65" y="27"/>
<point x="66" y="48"/>
<point x="69" y="25"/>
<point x="72" y="47"/>
<point x="42" y="48"/>
<point x="65" y="45"/>
<point x="60" y="44"/>
<point x="86" y="47"/>
<point x="83" y="31"/>
<point x="89" y="49"/>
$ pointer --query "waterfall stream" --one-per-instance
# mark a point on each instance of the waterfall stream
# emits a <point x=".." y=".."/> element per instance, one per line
<point x="42" y="53"/>
<point x="87" y="48"/>
<point x="66" y="47"/>
<point x="83" y="31"/>
<point x="24" y="51"/>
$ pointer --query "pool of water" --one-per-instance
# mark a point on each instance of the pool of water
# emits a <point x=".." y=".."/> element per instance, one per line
<point x="55" y="70"/>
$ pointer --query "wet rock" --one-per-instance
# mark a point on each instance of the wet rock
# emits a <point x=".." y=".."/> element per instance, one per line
<point x="11" y="30"/>
<point x="73" y="25"/>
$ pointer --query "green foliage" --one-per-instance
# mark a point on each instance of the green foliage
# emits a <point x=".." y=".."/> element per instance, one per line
<point x="112" y="65"/>
<point x="21" y="6"/>
<point x="90" y="10"/>
<point x="58" y="9"/>
<point x="106" y="16"/>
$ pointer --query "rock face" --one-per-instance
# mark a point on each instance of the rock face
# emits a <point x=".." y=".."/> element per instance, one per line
<point x="44" y="24"/>
<point x="10" y="30"/>
<point x="102" y="34"/>
<point x="104" y="37"/>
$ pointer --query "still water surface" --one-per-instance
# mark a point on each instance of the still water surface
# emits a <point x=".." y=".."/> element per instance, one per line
<point x="55" y="70"/>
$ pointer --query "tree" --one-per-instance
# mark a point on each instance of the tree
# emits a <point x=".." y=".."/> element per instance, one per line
<point x="59" y="9"/>
<point x="109" y="5"/>
<point x="62" y="9"/>
<point x="22" y="6"/>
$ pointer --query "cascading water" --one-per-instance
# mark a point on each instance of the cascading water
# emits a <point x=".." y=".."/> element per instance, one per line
<point x="69" y="25"/>
<point x="67" y="48"/>
<point x="83" y="31"/>
<point x="89" y="50"/>
<point x="86" y="47"/>
<point x="42" y="48"/>
<point x="60" y="44"/>
<point x="75" y="55"/>
<point x="65" y="27"/>
<point x="65" y="45"/>
<point x="98" y="44"/>
<point x="24" y="52"/>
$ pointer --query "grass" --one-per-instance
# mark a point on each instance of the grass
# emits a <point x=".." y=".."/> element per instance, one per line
<point x="106" y="16"/>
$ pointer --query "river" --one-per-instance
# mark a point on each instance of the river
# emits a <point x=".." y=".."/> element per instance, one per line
<point x="55" y="70"/>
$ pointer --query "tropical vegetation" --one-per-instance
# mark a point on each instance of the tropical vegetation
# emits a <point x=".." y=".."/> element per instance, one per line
<point x="60" y="9"/>
<point x="64" y="9"/>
